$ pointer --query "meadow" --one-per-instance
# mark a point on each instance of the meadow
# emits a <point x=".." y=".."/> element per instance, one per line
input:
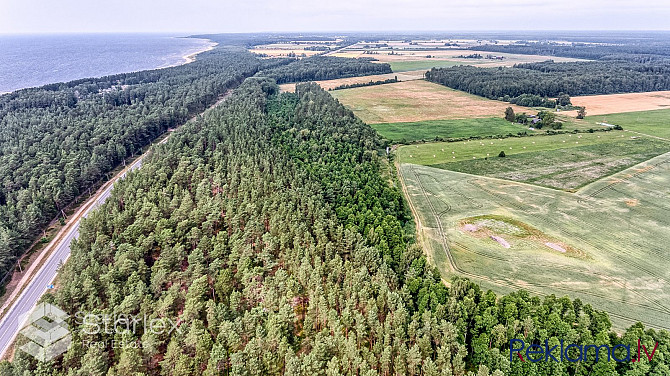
<point x="445" y="129"/>
<point x="604" y="244"/>
<point x="565" y="161"/>
<point x="422" y="64"/>
<point x="654" y="123"/>
<point x="417" y="100"/>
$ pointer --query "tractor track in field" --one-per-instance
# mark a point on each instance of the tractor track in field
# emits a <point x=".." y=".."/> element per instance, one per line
<point x="626" y="178"/>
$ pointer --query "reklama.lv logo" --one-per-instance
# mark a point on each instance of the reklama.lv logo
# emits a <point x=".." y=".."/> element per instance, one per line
<point x="536" y="353"/>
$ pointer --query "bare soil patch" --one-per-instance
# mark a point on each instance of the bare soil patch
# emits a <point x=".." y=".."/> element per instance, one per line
<point x="555" y="247"/>
<point x="632" y="202"/>
<point x="501" y="241"/>
<point x="495" y="227"/>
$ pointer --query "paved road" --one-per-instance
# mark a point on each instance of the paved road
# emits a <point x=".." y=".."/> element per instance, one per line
<point x="11" y="322"/>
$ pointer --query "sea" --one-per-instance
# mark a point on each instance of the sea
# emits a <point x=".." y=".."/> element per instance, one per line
<point x="35" y="60"/>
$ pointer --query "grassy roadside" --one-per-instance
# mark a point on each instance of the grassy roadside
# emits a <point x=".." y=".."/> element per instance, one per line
<point x="54" y="228"/>
<point x="40" y="252"/>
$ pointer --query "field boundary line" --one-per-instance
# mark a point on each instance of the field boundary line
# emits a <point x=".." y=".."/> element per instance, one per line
<point x="626" y="175"/>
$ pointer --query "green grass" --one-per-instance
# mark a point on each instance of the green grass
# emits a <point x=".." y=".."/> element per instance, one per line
<point x="459" y="128"/>
<point x="655" y="122"/>
<point x="447" y="152"/>
<point x="425" y="64"/>
<point x="568" y="168"/>
<point x="567" y="161"/>
<point x="438" y="130"/>
<point x="615" y="236"/>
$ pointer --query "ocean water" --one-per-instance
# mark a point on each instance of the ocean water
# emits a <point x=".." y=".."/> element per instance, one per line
<point x="34" y="60"/>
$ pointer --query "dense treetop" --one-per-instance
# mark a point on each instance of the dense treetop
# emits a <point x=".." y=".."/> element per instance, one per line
<point x="624" y="48"/>
<point x="549" y="79"/>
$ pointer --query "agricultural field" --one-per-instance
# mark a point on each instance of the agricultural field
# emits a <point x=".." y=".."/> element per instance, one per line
<point x="331" y="84"/>
<point x="629" y="102"/>
<point x="417" y="100"/>
<point x="283" y="52"/>
<point x="565" y="161"/>
<point x="412" y="58"/>
<point x="654" y="123"/>
<point x="446" y="129"/>
<point x="286" y="49"/>
<point x="422" y="65"/>
<point x="605" y="244"/>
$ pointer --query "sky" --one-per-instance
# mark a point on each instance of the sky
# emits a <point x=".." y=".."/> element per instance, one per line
<point x="212" y="16"/>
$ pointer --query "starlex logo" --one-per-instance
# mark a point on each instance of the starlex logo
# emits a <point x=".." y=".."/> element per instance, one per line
<point x="580" y="352"/>
<point x="47" y="331"/>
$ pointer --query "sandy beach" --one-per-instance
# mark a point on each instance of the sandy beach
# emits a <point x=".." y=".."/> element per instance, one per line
<point x="191" y="57"/>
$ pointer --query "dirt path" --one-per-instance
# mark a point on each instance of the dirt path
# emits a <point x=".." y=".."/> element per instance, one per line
<point x="647" y="135"/>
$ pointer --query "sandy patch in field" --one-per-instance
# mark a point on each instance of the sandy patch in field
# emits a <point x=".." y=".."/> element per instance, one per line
<point x="470" y="227"/>
<point x="632" y="202"/>
<point x="501" y="241"/>
<point x="520" y="233"/>
<point x="555" y="247"/>
<point x="646" y="283"/>
<point x="417" y="100"/>
<point x="573" y="284"/>
<point x="617" y="103"/>
<point x="331" y="84"/>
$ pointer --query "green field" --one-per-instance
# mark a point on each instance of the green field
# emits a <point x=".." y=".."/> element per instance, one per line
<point x="567" y="161"/>
<point x="655" y="123"/>
<point x="429" y="130"/>
<point x="425" y="64"/>
<point x="605" y="244"/>
<point x="457" y="128"/>
<point x="433" y="153"/>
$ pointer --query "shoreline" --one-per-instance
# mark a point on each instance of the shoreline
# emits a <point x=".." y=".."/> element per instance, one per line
<point x="192" y="56"/>
<point x="185" y="59"/>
